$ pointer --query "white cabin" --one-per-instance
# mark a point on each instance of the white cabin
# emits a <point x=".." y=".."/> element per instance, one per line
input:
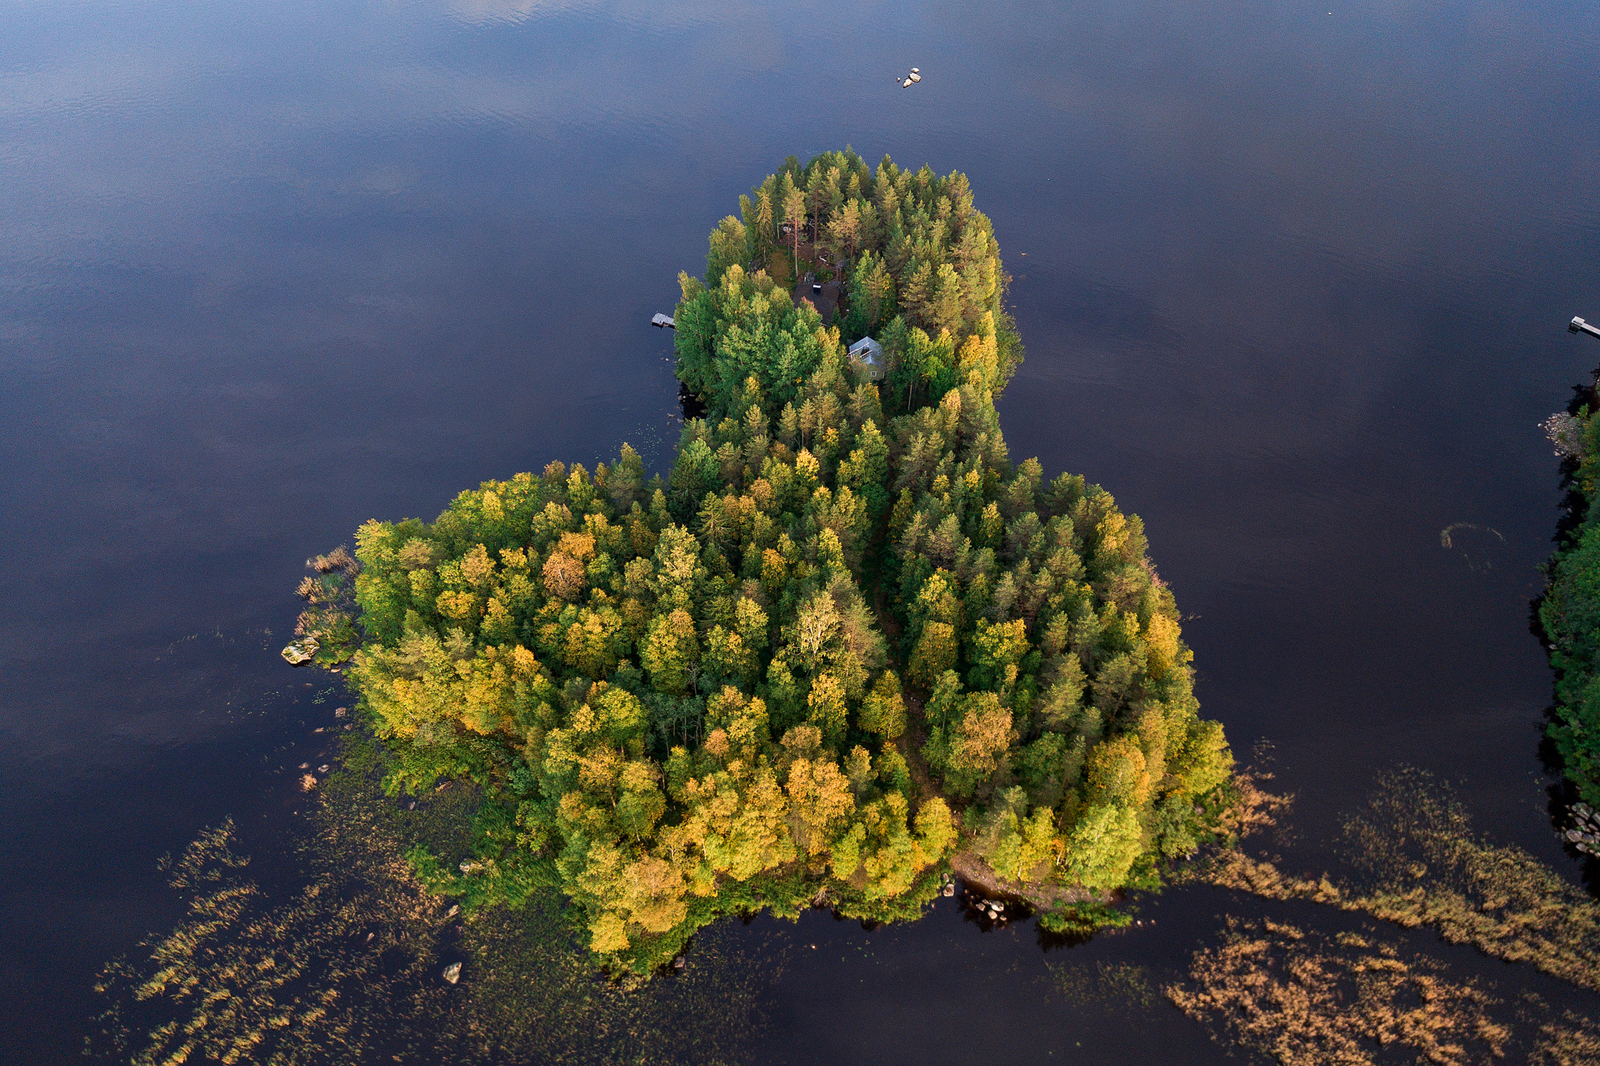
<point x="869" y="354"/>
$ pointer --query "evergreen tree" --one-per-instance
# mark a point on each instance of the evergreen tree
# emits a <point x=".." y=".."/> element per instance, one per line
<point x="794" y="213"/>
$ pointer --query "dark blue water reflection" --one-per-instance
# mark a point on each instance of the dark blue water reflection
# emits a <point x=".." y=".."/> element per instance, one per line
<point x="1292" y="279"/>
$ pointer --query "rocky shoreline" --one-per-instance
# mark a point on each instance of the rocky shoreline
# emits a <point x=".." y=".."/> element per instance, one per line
<point x="1041" y="896"/>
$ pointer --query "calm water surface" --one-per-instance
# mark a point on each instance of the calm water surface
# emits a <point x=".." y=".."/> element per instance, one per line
<point x="1292" y="279"/>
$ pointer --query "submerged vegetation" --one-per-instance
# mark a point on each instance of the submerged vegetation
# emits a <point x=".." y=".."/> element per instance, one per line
<point x="325" y="632"/>
<point x="1414" y="858"/>
<point x="845" y="637"/>
<point x="345" y="966"/>
<point x="1308" y="999"/>
<point x="1113" y="987"/>
<point x="1366" y="995"/>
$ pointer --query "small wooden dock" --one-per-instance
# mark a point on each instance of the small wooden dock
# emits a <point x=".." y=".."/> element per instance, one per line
<point x="663" y="322"/>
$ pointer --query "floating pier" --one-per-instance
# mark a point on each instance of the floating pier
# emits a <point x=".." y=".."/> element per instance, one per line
<point x="1578" y="325"/>
<point x="663" y="321"/>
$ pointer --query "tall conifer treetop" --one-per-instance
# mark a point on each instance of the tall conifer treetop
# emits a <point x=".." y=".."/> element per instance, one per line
<point x="844" y="638"/>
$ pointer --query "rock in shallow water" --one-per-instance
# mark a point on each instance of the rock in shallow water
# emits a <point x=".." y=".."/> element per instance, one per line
<point x="299" y="652"/>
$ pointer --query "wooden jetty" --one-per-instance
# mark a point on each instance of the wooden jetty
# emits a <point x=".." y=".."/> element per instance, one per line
<point x="663" y="321"/>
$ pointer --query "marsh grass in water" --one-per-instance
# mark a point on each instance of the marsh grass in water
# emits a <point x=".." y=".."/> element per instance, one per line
<point x="329" y="617"/>
<point x="1567" y="1040"/>
<point x="1308" y="998"/>
<point x="348" y="965"/>
<point x="1413" y="858"/>
<point x="329" y="970"/>
<point x="1303" y="997"/>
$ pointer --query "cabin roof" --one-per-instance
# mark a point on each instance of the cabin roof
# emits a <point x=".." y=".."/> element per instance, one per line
<point x="868" y="348"/>
<point x="869" y="353"/>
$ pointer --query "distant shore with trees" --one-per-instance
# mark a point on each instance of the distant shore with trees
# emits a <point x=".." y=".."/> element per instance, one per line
<point x="845" y="643"/>
<point x="1569" y="612"/>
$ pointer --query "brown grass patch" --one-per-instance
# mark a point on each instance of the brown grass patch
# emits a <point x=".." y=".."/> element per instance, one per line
<point x="1307" y="999"/>
<point x="1417" y="861"/>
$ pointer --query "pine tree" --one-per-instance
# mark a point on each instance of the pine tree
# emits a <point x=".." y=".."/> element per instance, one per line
<point x="794" y="213"/>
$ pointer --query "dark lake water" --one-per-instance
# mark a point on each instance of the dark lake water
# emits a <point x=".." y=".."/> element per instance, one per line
<point x="1292" y="276"/>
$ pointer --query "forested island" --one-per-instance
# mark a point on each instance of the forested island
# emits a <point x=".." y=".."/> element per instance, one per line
<point x="843" y="645"/>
